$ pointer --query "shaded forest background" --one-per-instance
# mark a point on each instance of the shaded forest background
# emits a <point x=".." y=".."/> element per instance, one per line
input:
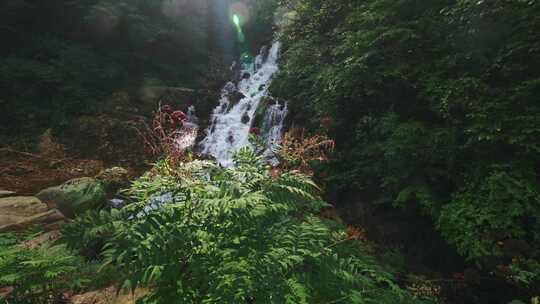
<point x="435" y="109"/>
<point x="61" y="59"/>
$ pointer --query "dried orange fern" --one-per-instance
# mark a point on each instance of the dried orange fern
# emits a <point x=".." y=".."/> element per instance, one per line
<point x="298" y="150"/>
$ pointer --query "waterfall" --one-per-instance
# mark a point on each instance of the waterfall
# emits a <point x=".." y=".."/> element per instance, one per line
<point x="272" y="127"/>
<point x="233" y="118"/>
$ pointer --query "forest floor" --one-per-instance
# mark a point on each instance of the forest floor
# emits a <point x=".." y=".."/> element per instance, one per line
<point x="26" y="173"/>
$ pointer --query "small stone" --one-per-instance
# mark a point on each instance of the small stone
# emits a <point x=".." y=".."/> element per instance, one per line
<point x="117" y="203"/>
<point x="6" y="193"/>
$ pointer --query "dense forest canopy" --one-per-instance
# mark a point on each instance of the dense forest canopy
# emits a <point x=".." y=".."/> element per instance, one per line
<point x="60" y="59"/>
<point x="433" y="104"/>
<point x="393" y="151"/>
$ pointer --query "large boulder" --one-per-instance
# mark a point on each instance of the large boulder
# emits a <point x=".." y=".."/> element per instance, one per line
<point x="21" y="212"/>
<point x="75" y="196"/>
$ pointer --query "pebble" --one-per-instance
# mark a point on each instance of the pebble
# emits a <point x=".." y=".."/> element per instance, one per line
<point x="5" y="193"/>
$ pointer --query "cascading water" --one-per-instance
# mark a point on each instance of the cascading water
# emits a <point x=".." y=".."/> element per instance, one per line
<point x="232" y="119"/>
<point x="272" y="127"/>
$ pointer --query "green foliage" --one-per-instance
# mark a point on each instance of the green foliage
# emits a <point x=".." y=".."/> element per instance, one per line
<point x="491" y="210"/>
<point x="39" y="274"/>
<point x="200" y="233"/>
<point x="88" y="232"/>
<point x="433" y="103"/>
<point x="60" y="59"/>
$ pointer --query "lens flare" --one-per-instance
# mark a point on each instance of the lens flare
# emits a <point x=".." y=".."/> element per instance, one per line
<point x="236" y="20"/>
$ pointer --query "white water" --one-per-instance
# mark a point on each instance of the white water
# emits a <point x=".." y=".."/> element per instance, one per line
<point x="273" y="128"/>
<point x="231" y="123"/>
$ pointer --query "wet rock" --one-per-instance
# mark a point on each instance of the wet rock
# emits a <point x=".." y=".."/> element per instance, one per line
<point x="21" y="212"/>
<point x="246" y="75"/>
<point x="236" y="96"/>
<point x="262" y="87"/>
<point x="75" y="196"/>
<point x="245" y="118"/>
<point x="259" y="114"/>
<point x="236" y="69"/>
<point x="117" y="203"/>
<point x="264" y="52"/>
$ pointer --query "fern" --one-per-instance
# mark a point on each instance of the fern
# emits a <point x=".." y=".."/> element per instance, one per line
<point x="39" y="274"/>
<point x="240" y="235"/>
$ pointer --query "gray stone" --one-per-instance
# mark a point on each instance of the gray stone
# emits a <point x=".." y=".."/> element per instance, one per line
<point x="6" y="193"/>
<point x="21" y="212"/>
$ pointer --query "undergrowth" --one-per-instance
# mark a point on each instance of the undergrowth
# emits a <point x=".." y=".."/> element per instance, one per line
<point x="196" y="232"/>
<point x="200" y="233"/>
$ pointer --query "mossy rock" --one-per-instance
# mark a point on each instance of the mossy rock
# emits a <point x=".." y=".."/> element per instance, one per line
<point x="259" y="113"/>
<point x="113" y="179"/>
<point x="75" y="196"/>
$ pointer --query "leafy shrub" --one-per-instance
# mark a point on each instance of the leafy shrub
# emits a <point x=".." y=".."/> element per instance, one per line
<point x="89" y="232"/>
<point x="299" y="151"/>
<point x="433" y="106"/>
<point x="497" y="218"/>
<point x="197" y="232"/>
<point x="39" y="275"/>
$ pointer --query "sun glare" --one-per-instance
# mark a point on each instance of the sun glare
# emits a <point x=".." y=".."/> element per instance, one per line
<point x="236" y="20"/>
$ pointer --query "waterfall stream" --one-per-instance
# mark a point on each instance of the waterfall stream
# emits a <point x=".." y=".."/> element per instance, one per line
<point x="233" y="118"/>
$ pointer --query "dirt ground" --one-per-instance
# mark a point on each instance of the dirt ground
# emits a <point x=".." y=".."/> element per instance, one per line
<point x="27" y="173"/>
